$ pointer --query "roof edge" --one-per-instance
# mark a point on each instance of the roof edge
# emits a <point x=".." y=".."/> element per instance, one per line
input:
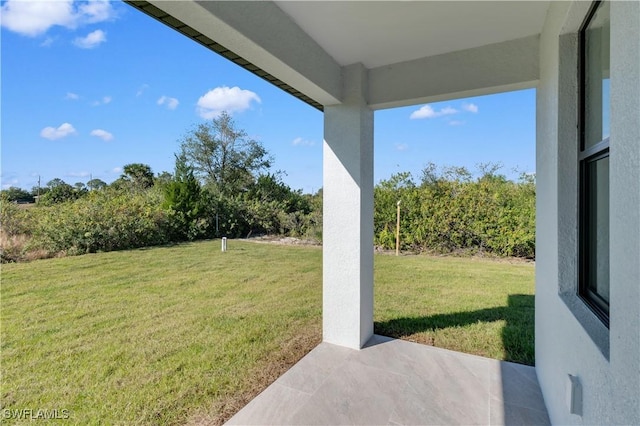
<point x="184" y="29"/>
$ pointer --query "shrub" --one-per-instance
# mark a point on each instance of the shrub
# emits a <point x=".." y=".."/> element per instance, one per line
<point x="14" y="230"/>
<point x="102" y="221"/>
<point x="450" y="211"/>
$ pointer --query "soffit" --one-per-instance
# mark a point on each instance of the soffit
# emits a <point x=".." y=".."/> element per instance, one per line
<point x="379" y="33"/>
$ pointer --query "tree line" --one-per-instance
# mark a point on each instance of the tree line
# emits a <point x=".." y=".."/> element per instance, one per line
<point x="223" y="185"/>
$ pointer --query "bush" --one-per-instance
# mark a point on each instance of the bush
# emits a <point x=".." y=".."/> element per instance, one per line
<point x="14" y="230"/>
<point x="450" y="211"/>
<point x="17" y="194"/>
<point x="267" y="207"/>
<point x="13" y="219"/>
<point x="183" y="200"/>
<point x="102" y="221"/>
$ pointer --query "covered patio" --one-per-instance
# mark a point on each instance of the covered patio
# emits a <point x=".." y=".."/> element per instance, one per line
<point x="396" y="382"/>
<point x="349" y="59"/>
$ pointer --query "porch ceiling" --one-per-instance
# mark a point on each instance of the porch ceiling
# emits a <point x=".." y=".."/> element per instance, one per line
<point x="416" y="51"/>
<point x="378" y="33"/>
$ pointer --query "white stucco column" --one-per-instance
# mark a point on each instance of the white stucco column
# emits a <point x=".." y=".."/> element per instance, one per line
<point x="348" y="215"/>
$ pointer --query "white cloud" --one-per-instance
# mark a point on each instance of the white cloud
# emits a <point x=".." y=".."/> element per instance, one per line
<point x="142" y="89"/>
<point x="456" y="123"/>
<point x="91" y="40"/>
<point x="427" y="111"/>
<point x="302" y="142"/>
<point x="402" y="146"/>
<point x="77" y="174"/>
<point x="72" y="96"/>
<point x="47" y="42"/>
<point x="171" y="103"/>
<point x="448" y="111"/>
<point x="116" y="170"/>
<point x="231" y="100"/>
<point x="470" y="107"/>
<point x="34" y="18"/>
<point x="105" y="100"/>
<point x="102" y="134"/>
<point x="96" y="11"/>
<point x="52" y="133"/>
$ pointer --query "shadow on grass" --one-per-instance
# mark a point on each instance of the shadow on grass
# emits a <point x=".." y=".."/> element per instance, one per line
<point x="517" y="334"/>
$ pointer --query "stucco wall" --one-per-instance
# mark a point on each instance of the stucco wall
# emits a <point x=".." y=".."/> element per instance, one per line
<point x="569" y="339"/>
<point x="347" y="268"/>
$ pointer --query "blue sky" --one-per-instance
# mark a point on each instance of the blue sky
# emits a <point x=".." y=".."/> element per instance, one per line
<point x="88" y="87"/>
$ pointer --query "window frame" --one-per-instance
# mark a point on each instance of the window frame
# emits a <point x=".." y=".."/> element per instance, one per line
<point x="587" y="156"/>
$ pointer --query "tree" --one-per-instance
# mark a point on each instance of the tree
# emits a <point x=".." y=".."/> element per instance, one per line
<point x="39" y="190"/>
<point x="270" y="188"/>
<point x="17" y="194"/>
<point x="59" y="192"/>
<point x="223" y="156"/>
<point x="80" y="188"/>
<point x="182" y="197"/>
<point x="138" y="175"/>
<point x="95" y="184"/>
<point x="163" y="179"/>
<point x="55" y="182"/>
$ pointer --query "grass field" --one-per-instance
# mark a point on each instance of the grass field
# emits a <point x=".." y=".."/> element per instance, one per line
<point x="483" y="307"/>
<point x="187" y="334"/>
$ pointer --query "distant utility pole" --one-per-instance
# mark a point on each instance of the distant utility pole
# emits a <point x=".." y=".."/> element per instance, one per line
<point x="398" y="229"/>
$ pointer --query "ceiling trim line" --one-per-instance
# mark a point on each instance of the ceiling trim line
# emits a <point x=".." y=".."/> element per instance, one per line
<point x="184" y="29"/>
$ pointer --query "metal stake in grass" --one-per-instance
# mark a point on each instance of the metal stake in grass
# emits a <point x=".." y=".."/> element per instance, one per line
<point x="398" y="230"/>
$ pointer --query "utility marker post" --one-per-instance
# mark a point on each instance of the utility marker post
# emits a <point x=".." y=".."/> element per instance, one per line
<point x="398" y="229"/>
<point x="224" y="244"/>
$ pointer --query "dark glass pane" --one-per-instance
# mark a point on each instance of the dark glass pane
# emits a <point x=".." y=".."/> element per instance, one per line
<point x="596" y="74"/>
<point x="597" y="231"/>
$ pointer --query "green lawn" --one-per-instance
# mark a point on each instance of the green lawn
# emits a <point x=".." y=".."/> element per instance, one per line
<point x="189" y="334"/>
<point x="482" y="307"/>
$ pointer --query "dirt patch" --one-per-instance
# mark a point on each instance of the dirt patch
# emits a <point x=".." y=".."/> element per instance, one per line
<point x="288" y="241"/>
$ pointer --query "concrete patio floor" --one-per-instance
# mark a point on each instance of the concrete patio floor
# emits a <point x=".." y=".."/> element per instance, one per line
<point x="396" y="382"/>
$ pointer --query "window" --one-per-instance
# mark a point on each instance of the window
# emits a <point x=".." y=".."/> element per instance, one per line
<point x="593" y="158"/>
